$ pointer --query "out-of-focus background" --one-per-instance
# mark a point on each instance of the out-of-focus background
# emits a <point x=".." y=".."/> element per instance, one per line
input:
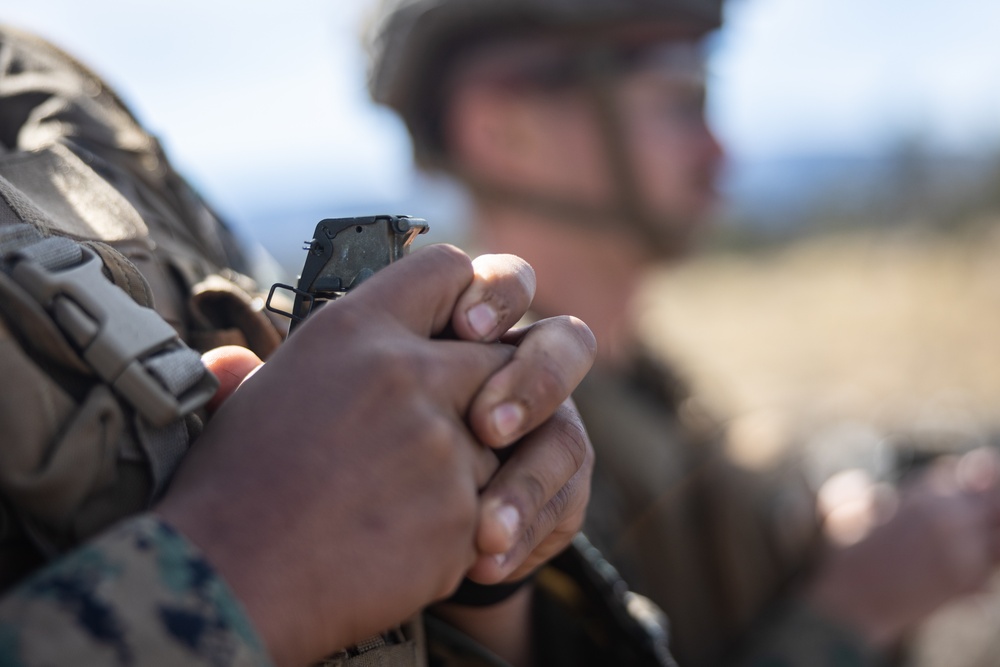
<point x="850" y="295"/>
<point x="834" y="113"/>
<point x="849" y="289"/>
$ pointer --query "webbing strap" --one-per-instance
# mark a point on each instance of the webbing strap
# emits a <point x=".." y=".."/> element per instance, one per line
<point x="178" y="369"/>
<point x="127" y="345"/>
<point x="392" y="647"/>
<point x="164" y="448"/>
<point x="54" y="253"/>
<point x="8" y="216"/>
<point x="15" y="235"/>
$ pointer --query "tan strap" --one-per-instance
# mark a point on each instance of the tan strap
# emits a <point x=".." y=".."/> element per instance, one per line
<point x="402" y="646"/>
<point x="128" y="346"/>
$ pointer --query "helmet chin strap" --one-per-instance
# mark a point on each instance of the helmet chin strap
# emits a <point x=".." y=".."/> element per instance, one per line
<point x="628" y="212"/>
<point x="662" y="234"/>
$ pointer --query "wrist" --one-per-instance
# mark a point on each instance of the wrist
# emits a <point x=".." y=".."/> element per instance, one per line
<point x="258" y="586"/>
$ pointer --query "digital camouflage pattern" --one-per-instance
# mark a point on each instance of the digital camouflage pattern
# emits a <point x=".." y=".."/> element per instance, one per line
<point x="138" y="596"/>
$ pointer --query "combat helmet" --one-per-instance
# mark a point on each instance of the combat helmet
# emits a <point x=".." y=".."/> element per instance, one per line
<point x="412" y="42"/>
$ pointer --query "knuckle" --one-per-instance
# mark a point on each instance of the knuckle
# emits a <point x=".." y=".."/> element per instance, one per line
<point x="401" y="370"/>
<point x="508" y="267"/>
<point x="548" y="381"/>
<point x="437" y="443"/>
<point x="535" y="491"/>
<point x="570" y="441"/>
<point x="566" y="508"/>
<point x="449" y="256"/>
<point x="530" y="536"/>
<point x="398" y="359"/>
<point x="428" y="369"/>
<point x="582" y="333"/>
<point x="346" y="317"/>
<point x="557" y="506"/>
<point x="555" y="490"/>
<point x="525" y="274"/>
<point x="574" y="512"/>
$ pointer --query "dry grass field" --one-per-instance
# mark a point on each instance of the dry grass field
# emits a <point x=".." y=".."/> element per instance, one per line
<point x="892" y="329"/>
<point x="831" y="344"/>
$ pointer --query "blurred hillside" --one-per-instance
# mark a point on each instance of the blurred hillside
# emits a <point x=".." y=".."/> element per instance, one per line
<point x="892" y="327"/>
<point x="778" y="198"/>
<point x="863" y="306"/>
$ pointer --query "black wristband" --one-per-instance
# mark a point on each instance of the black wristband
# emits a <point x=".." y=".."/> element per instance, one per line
<point x="471" y="594"/>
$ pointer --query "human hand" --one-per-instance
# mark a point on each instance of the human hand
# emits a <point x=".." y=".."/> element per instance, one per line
<point x="434" y="369"/>
<point x="939" y="541"/>
<point x="546" y="477"/>
<point x="536" y="501"/>
<point x="337" y="490"/>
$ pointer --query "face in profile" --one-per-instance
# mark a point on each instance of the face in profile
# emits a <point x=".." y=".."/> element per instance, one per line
<point x="548" y="138"/>
<point x="675" y="157"/>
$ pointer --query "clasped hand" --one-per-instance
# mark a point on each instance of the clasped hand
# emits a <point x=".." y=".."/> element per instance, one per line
<point x="350" y="481"/>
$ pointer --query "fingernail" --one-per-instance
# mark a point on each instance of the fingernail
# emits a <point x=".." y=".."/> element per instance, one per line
<point x="510" y="519"/>
<point x="483" y="319"/>
<point x="507" y="418"/>
<point x="500" y="560"/>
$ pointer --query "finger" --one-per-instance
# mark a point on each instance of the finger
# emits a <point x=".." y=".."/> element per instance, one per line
<point x="420" y="290"/>
<point x="448" y="369"/>
<point x="551" y="358"/>
<point x="543" y="487"/>
<point x="500" y="293"/>
<point x="460" y="369"/>
<point x="452" y="375"/>
<point x="484" y="463"/>
<point x="231" y="364"/>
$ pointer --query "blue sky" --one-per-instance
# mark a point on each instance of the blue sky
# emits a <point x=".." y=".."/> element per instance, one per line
<point x="854" y="75"/>
<point x="259" y="101"/>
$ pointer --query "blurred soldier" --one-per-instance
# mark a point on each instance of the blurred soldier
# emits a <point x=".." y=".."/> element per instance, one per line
<point x="579" y="129"/>
<point x="340" y="490"/>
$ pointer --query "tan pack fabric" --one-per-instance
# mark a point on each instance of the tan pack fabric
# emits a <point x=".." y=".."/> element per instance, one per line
<point x="86" y="445"/>
<point x="90" y="170"/>
<point x="402" y="647"/>
<point x="75" y="164"/>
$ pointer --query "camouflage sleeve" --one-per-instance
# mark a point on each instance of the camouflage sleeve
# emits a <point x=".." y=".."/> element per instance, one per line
<point x="139" y="595"/>
<point x="797" y="636"/>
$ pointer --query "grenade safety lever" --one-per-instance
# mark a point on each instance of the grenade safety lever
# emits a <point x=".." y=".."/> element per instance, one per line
<point x="343" y="253"/>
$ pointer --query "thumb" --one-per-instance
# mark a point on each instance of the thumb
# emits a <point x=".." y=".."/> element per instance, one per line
<point x="231" y="365"/>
